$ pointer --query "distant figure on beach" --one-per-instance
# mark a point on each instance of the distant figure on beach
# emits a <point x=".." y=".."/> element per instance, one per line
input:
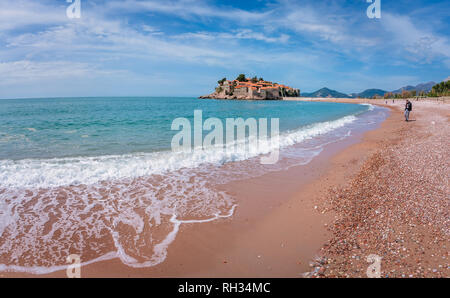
<point x="408" y="108"/>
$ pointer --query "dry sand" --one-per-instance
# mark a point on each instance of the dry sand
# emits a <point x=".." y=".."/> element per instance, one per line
<point x="397" y="206"/>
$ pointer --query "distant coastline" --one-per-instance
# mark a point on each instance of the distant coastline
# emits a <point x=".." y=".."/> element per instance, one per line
<point x="259" y="89"/>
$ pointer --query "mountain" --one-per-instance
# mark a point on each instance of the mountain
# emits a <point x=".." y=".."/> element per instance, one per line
<point x="325" y="92"/>
<point x="405" y="88"/>
<point x="369" y="93"/>
<point x="421" y="87"/>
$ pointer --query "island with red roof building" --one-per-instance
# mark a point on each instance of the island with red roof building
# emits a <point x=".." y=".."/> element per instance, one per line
<point x="251" y="88"/>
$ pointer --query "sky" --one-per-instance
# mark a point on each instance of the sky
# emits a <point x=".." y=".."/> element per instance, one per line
<point x="182" y="47"/>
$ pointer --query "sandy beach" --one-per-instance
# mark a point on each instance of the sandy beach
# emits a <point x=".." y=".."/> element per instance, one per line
<point x="397" y="205"/>
<point x="383" y="192"/>
<point x="204" y="140"/>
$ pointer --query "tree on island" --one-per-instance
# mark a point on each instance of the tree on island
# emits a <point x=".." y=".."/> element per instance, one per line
<point x="241" y="78"/>
<point x="222" y="81"/>
<point x="254" y="79"/>
<point x="261" y="79"/>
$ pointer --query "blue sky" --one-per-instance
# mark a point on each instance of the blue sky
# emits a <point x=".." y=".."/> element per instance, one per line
<point x="182" y="47"/>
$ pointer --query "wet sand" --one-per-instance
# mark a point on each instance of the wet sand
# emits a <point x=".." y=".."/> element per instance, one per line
<point x="282" y="222"/>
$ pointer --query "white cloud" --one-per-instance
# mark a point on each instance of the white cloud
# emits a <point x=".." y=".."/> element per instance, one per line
<point x="325" y="24"/>
<point x="422" y="45"/>
<point x="17" y="14"/>
<point x="188" y="9"/>
<point x="151" y="30"/>
<point x="95" y="35"/>
<point x="24" y="71"/>
<point x="235" y="35"/>
<point x="102" y="37"/>
<point x="41" y="43"/>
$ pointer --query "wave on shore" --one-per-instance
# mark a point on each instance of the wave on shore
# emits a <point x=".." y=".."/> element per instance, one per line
<point x="129" y="206"/>
<point x="42" y="173"/>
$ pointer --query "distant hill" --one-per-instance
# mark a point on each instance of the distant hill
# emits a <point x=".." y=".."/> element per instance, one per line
<point x="421" y="87"/>
<point x="369" y="93"/>
<point x="405" y="88"/>
<point x="325" y="92"/>
<point x="426" y="87"/>
<point x="447" y="79"/>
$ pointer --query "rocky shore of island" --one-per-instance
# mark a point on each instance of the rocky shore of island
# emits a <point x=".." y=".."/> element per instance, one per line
<point x="251" y="89"/>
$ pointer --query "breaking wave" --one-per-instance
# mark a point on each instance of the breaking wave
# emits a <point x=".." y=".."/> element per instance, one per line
<point x="122" y="206"/>
<point x="42" y="173"/>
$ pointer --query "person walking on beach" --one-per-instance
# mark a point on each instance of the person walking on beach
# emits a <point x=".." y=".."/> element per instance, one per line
<point x="408" y="108"/>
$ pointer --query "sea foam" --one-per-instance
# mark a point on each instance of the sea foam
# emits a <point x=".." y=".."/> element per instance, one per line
<point x="43" y="173"/>
<point x="134" y="203"/>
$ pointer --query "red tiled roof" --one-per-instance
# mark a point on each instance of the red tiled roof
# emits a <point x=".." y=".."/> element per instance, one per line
<point x="260" y="84"/>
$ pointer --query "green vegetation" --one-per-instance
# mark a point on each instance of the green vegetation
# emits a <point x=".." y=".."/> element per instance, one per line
<point x="325" y="92"/>
<point x="441" y="89"/>
<point x="404" y="94"/>
<point x="222" y="81"/>
<point x="388" y="95"/>
<point x="219" y="89"/>
<point x="241" y="78"/>
<point x="372" y="93"/>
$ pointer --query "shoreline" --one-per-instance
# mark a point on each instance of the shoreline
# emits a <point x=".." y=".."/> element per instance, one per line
<point x="280" y="226"/>
<point x="262" y="206"/>
<point x="396" y="208"/>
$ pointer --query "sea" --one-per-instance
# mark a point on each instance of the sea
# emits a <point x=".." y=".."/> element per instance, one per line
<point x="98" y="177"/>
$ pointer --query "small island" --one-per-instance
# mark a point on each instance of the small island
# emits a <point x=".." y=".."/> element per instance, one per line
<point x="254" y="89"/>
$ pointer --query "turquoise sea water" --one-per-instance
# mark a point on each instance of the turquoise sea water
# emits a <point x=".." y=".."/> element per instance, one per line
<point x="96" y="176"/>
<point x="73" y="127"/>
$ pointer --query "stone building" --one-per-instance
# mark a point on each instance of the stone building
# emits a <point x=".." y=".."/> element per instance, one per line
<point x="249" y="89"/>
